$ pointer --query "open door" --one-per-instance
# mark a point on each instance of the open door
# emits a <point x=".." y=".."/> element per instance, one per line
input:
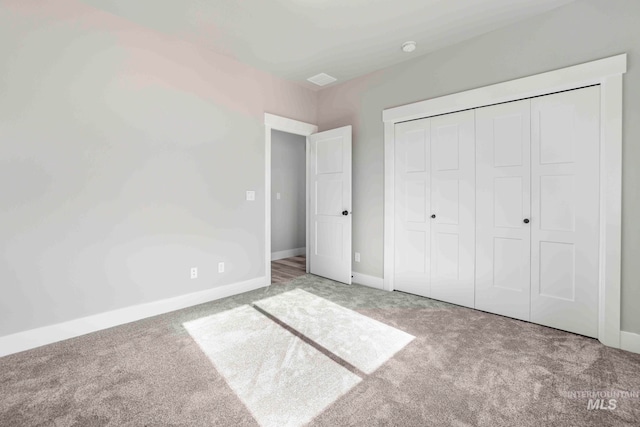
<point x="330" y="208"/>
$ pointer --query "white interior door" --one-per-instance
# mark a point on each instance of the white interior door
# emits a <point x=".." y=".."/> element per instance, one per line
<point x="330" y="192"/>
<point x="453" y="207"/>
<point x="565" y="148"/>
<point x="503" y="197"/>
<point x="412" y="207"/>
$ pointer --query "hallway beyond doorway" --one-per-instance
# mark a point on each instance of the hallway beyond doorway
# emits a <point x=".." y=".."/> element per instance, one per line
<point x="286" y="269"/>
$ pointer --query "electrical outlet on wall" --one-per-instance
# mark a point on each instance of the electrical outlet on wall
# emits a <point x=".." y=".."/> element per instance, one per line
<point x="357" y="257"/>
<point x="221" y="267"/>
<point x="194" y="272"/>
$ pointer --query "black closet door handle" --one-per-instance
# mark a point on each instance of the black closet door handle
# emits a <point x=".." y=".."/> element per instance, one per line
<point x="526" y="221"/>
<point x="345" y="213"/>
<point x="433" y="216"/>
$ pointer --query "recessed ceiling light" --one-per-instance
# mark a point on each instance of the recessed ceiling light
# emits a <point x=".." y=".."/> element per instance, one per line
<point x="408" y="46"/>
<point x="322" y="79"/>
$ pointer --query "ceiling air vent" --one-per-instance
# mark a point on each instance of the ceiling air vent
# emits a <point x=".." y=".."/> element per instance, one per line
<point x="322" y="79"/>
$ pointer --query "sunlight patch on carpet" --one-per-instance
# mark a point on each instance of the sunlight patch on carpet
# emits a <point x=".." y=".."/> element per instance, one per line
<point x="281" y="380"/>
<point x="357" y="339"/>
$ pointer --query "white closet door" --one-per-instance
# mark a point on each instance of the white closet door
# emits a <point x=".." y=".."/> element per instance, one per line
<point x="503" y="194"/>
<point x="412" y="207"/>
<point x="453" y="207"/>
<point x="565" y="210"/>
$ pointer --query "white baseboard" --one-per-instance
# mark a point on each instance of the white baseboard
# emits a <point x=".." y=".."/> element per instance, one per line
<point x="630" y="341"/>
<point x="366" y="280"/>
<point x="288" y="253"/>
<point x="33" y="338"/>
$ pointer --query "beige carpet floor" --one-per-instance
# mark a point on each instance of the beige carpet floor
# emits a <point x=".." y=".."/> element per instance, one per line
<point x="464" y="368"/>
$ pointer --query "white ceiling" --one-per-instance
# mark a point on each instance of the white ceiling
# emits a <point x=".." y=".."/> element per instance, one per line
<point x="296" y="39"/>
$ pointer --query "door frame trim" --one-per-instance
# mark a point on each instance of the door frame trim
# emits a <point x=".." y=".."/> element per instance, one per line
<point x="605" y="72"/>
<point x="284" y="124"/>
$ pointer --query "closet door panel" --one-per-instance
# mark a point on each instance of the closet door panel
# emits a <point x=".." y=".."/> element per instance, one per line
<point x="565" y="210"/>
<point x="412" y="207"/>
<point x="453" y="205"/>
<point x="503" y="135"/>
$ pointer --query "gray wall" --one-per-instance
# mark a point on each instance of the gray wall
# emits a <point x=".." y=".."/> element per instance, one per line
<point x="124" y="160"/>
<point x="579" y="32"/>
<point x="288" y="177"/>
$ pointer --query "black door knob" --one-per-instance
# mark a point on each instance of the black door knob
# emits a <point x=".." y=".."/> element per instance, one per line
<point x="433" y="216"/>
<point x="345" y="213"/>
<point x="526" y="221"/>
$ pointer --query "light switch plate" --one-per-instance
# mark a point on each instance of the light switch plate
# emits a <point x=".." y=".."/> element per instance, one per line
<point x="278" y="196"/>
<point x="357" y="256"/>
<point x="251" y="196"/>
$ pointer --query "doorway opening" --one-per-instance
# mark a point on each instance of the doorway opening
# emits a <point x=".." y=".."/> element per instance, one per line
<point x="288" y="206"/>
<point x="296" y="128"/>
<point x="327" y="183"/>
